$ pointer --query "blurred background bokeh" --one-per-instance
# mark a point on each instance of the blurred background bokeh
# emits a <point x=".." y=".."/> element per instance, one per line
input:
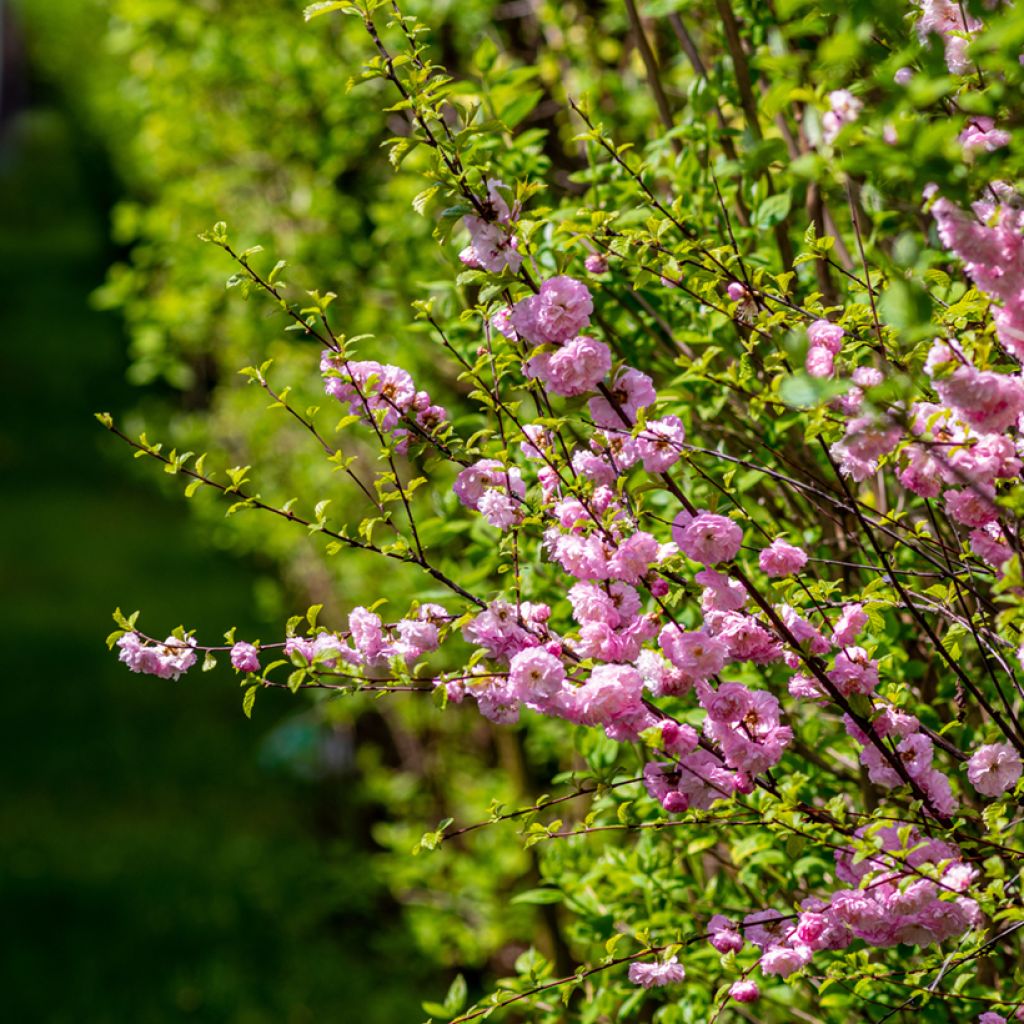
<point x="161" y="858"/>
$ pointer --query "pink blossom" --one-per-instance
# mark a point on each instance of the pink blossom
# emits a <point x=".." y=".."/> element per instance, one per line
<point x="757" y="741"/>
<point x="634" y="557"/>
<point x="725" y="935"/>
<point x="994" y="768"/>
<point x="745" y="638"/>
<point x="991" y="1018"/>
<point x="744" y="991"/>
<point x="492" y="246"/>
<point x="574" y="369"/>
<point x="987" y="401"/>
<point x="660" y="443"/>
<point x="819" y="362"/>
<point x="989" y="543"/>
<point x="854" y="672"/>
<point x="706" y="537"/>
<point x="474" y="481"/>
<point x="535" y="675"/>
<point x="867" y="377"/>
<point x="803" y="633"/>
<point x="728" y="704"/>
<point x="784" y="960"/>
<point x="948" y="19"/>
<point x="596" y="263"/>
<point x="971" y="507"/>
<point x="827" y="335"/>
<point x="416" y="637"/>
<point x="849" y="625"/>
<point x="782" y="559"/>
<point x="678" y="739"/>
<point x="844" y="109"/>
<point x="981" y="133"/>
<point x="169" y="660"/>
<point x="922" y="474"/>
<point x="245" y="657"/>
<point x="721" y="592"/>
<point x="661" y="677"/>
<point x="631" y="391"/>
<point x="617" y="605"/>
<point x="556" y="314"/>
<point x="368" y="637"/>
<point x="697" y="655"/>
<point x="650" y="974"/>
<point x="611" y="690"/>
<point x="498" y="509"/>
<point x="502" y="323"/>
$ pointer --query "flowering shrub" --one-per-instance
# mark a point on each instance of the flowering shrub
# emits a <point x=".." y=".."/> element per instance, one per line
<point x="720" y="485"/>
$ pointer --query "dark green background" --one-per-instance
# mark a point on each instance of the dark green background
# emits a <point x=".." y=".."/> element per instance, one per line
<point x="160" y="857"/>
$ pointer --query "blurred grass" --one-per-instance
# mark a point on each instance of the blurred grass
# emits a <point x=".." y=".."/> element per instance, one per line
<point x="152" y="866"/>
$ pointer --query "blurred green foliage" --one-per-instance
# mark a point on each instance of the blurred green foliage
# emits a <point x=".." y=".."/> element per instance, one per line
<point x="158" y="861"/>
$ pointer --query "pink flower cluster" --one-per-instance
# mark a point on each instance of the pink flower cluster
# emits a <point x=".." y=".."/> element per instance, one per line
<point x="902" y="733"/>
<point x="493" y="242"/>
<point x="556" y="314"/>
<point x="369" y="644"/>
<point x="994" y="768"/>
<point x="989" y="241"/>
<point x="910" y="897"/>
<point x="667" y="972"/>
<point x="949" y="20"/>
<point x="496" y="491"/>
<point x="844" y="109"/>
<point x="381" y="394"/>
<point x="826" y="340"/>
<point x="169" y="660"/>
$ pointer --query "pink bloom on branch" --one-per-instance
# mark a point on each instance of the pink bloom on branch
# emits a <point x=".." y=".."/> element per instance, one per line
<point x="721" y="593"/>
<point x="245" y="657"/>
<point x="631" y="391"/>
<point x="697" y="655"/>
<point x="819" y="362"/>
<point x="992" y="1018"/>
<point x="971" y="507"/>
<point x="849" y="625"/>
<point x="725" y="935"/>
<point x="556" y="314"/>
<point x="535" y="674"/>
<point x="611" y="690"/>
<point x="827" y="335"/>
<point x="782" y="559"/>
<point x="994" y="768"/>
<point x="982" y="133"/>
<point x="784" y="960"/>
<point x="854" y="672"/>
<point x="574" y="369"/>
<point x="989" y="402"/>
<point x="660" y="443"/>
<point x="169" y="660"/>
<point x="596" y="263"/>
<point x="744" y="991"/>
<point x="706" y="537"/>
<point x="652" y="974"/>
<point x="634" y="557"/>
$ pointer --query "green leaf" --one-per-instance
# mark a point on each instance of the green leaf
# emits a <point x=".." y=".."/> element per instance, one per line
<point x="539" y="896"/>
<point x="327" y="7"/>
<point x="773" y="210"/>
<point x="455" y="1000"/>
<point x="249" y="699"/>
